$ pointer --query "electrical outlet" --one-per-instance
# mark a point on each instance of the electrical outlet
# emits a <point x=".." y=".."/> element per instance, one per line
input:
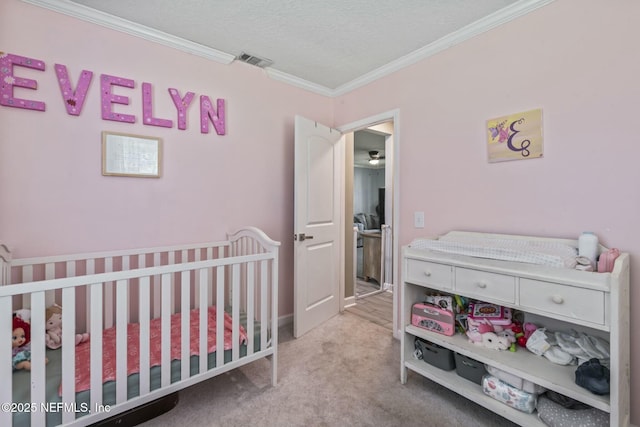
<point x="418" y="219"/>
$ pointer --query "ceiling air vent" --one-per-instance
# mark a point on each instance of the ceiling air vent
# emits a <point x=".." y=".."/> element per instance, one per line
<point x="255" y="60"/>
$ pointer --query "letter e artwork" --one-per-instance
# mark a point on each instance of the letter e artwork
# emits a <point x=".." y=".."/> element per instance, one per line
<point x="515" y="137"/>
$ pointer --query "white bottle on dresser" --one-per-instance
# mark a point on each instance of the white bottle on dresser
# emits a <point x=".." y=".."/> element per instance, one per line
<point x="588" y="247"/>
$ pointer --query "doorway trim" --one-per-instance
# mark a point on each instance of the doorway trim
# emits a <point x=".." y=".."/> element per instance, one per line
<point x="394" y="116"/>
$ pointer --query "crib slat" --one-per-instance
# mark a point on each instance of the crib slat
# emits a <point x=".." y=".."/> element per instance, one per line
<point x="264" y="305"/>
<point x="172" y="260"/>
<point x="251" y="283"/>
<point x="6" y="368"/>
<point x="27" y="273"/>
<point x="38" y="377"/>
<point x="144" y="317"/>
<point x="210" y="280"/>
<point x="50" y="273"/>
<point x="108" y="294"/>
<point x="185" y="323"/>
<point x="71" y="269"/>
<point x="122" y="293"/>
<point x="220" y="317"/>
<point x="202" y="322"/>
<point x="273" y="292"/>
<point x="90" y="268"/>
<point x="156" y="287"/>
<point x="95" y="313"/>
<point x="27" y="276"/>
<point x="235" y="313"/>
<point x="68" y="350"/>
<point x="165" y="329"/>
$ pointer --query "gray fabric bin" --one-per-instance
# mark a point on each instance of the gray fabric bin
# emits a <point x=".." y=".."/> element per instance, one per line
<point x="435" y="354"/>
<point x="469" y="368"/>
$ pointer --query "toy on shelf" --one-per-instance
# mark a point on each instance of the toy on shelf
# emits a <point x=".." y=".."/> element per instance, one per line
<point x="432" y="317"/>
<point x="490" y="325"/>
<point x="523" y="332"/>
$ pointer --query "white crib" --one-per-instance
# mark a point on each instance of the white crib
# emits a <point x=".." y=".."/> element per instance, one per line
<point x="108" y="295"/>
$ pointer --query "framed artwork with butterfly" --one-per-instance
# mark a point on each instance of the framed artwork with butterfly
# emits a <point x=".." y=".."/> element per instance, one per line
<point x="515" y="137"/>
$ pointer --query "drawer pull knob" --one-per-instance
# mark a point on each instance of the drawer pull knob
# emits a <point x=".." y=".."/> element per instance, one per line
<point x="481" y="285"/>
<point x="427" y="273"/>
<point x="557" y="299"/>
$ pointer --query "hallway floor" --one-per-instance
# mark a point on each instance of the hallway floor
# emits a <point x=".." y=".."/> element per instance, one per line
<point x="376" y="308"/>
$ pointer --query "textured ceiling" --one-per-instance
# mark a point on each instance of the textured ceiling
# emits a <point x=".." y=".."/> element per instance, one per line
<point x="325" y="44"/>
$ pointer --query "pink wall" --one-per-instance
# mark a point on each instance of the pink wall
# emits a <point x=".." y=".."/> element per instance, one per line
<point x="53" y="196"/>
<point x="576" y="60"/>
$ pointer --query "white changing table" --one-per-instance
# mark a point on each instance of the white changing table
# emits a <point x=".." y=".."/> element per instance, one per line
<point x="558" y="298"/>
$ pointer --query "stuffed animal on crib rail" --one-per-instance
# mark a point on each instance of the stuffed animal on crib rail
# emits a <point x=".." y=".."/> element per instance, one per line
<point x="53" y="328"/>
<point x="20" y="347"/>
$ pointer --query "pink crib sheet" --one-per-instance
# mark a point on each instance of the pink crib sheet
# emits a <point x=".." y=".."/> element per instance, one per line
<point x="83" y="360"/>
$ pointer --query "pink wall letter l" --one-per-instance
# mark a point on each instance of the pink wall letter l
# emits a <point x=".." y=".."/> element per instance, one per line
<point x="147" y="109"/>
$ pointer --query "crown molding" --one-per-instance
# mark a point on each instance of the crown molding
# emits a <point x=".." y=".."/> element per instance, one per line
<point x="119" y="24"/>
<point x="496" y="19"/>
<point x="487" y="23"/>
<point x="298" y="82"/>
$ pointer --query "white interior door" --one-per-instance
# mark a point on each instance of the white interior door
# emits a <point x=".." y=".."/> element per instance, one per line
<point x="317" y="224"/>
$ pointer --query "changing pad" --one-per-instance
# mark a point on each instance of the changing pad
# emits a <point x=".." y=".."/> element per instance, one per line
<point x="551" y="254"/>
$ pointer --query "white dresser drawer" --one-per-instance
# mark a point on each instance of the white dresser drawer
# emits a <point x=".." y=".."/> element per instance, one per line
<point x="485" y="286"/>
<point x="432" y="274"/>
<point x="562" y="300"/>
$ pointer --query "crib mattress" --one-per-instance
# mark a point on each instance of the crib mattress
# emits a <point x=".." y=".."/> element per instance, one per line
<point x="22" y="381"/>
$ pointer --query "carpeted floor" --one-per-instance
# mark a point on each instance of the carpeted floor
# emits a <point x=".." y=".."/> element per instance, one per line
<point x="343" y="373"/>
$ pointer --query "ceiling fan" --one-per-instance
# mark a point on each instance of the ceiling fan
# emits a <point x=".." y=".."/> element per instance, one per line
<point x="375" y="157"/>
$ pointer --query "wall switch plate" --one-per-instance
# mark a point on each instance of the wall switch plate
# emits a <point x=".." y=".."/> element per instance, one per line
<point x="418" y="219"/>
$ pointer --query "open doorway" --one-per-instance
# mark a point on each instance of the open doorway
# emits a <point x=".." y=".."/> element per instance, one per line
<point x="369" y="221"/>
<point x="369" y="210"/>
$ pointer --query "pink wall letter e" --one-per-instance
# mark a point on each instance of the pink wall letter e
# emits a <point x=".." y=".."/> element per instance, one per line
<point x="8" y="81"/>
<point x="109" y="98"/>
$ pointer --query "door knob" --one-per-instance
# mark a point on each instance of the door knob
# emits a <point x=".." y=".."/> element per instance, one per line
<point x="302" y="237"/>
